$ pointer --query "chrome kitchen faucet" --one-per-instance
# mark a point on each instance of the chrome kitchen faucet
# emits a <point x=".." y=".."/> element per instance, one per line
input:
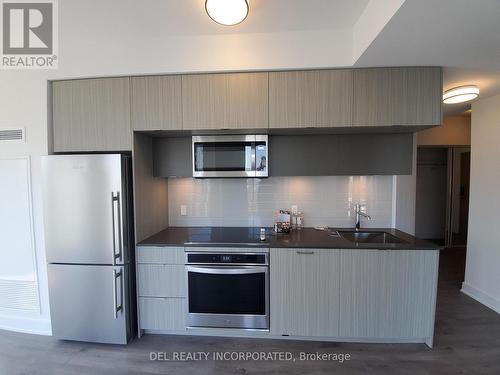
<point x="358" y="213"/>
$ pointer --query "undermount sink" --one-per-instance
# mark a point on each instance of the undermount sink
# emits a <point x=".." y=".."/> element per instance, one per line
<point x="370" y="237"/>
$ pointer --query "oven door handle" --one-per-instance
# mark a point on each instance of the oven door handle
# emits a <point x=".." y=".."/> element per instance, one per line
<point x="227" y="270"/>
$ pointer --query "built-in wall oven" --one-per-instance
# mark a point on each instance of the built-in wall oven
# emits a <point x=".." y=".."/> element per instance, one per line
<point x="228" y="289"/>
<point x="230" y="156"/>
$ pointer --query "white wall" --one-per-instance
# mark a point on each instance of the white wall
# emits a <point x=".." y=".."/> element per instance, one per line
<point x="455" y="131"/>
<point x="371" y="22"/>
<point x="23" y="103"/>
<point x="482" y="271"/>
<point x="112" y="37"/>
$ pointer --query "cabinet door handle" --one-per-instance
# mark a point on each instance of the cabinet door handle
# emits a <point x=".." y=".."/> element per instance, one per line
<point x="305" y="252"/>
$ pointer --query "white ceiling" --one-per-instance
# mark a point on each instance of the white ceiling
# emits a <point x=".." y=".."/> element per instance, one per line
<point x="463" y="36"/>
<point x="188" y="17"/>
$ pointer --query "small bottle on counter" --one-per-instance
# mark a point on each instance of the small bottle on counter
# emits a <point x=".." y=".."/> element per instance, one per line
<point x="299" y="220"/>
<point x="262" y="234"/>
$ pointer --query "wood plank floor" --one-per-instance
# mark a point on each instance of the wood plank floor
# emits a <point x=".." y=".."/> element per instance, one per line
<point x="467" y="341"/>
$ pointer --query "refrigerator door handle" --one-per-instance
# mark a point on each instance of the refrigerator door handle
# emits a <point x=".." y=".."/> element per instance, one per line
<point x="117" y="308"/>
<point x="116" y="223"/>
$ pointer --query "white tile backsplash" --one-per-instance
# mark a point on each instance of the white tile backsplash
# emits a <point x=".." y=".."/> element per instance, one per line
<point x="325" y="200"/>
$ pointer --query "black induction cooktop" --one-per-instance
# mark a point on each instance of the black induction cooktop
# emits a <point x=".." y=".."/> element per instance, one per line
<point x="225" y="236"/>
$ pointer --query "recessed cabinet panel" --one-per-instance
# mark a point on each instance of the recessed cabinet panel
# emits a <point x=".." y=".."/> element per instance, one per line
<point x="157" y="103"/>
<point x="173" y="157"/>
<point x="305" y="292"/>
<point x="92" y="115"/>
<point x="397" y="97"/>
<point x="316" y="98"/>
<point x="225" y="101"/>
<point x="341" y="154"/>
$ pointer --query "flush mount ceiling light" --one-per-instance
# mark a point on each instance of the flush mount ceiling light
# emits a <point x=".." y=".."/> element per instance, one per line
<point x="460" y="94"/>
<point x="227" y="12"/>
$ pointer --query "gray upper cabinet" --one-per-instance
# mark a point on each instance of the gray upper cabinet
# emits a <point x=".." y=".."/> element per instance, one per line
<point x="157" y="103"/>
<point x="101" y="114"/>
<point x="225" y="101"/>
<point x="316" y="98"/>
<point x="92" y="115"/>
<point x="397" y="96"/>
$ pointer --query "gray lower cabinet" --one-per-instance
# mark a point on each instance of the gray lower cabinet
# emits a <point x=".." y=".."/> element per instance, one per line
<point x="397" y="96"/>
<point x="354" y="295"/>
<point x="304" y="292"/>
<point x="388" y="293"/>
<point x="91" y="115"/>
<point x="161" y="286"/>
<point x="157" y="103"/>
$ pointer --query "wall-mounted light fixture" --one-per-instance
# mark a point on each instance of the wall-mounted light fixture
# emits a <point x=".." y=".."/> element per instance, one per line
<point x="460" y="94"/>
<point x="227" y="12"/>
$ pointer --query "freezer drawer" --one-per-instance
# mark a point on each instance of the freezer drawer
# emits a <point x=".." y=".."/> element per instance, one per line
<point x="84" y="208"/>
<point x="88" y="303"/>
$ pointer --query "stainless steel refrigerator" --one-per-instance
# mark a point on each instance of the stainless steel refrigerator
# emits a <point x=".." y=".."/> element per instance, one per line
<point x="89" y="241"/>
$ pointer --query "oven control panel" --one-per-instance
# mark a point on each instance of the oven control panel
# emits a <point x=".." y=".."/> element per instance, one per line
<point x="226" y="258"/>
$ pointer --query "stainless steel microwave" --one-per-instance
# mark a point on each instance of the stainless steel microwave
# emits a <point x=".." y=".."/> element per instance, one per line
<point x="230" y="156"/>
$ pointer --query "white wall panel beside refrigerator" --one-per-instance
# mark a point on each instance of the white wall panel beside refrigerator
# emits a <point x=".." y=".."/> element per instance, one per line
<point x="18" y="277"/>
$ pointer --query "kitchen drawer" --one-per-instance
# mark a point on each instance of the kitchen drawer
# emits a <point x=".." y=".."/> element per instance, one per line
<point x="163" y="280"/>
<point x="162" y="314"/>
<point x="216" y="249"/>
<point x="160" y="255"/>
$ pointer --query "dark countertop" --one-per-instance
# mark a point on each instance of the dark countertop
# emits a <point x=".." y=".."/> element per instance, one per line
<point x="305" y="238"/>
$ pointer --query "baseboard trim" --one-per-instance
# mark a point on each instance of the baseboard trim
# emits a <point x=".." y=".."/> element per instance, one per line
<point x="26" y="325"/>
<point x="230" y="332"/>
<point x="482" y="297"/>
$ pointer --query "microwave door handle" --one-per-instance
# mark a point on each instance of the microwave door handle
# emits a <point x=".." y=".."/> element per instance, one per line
<point x="226" y="271"/>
